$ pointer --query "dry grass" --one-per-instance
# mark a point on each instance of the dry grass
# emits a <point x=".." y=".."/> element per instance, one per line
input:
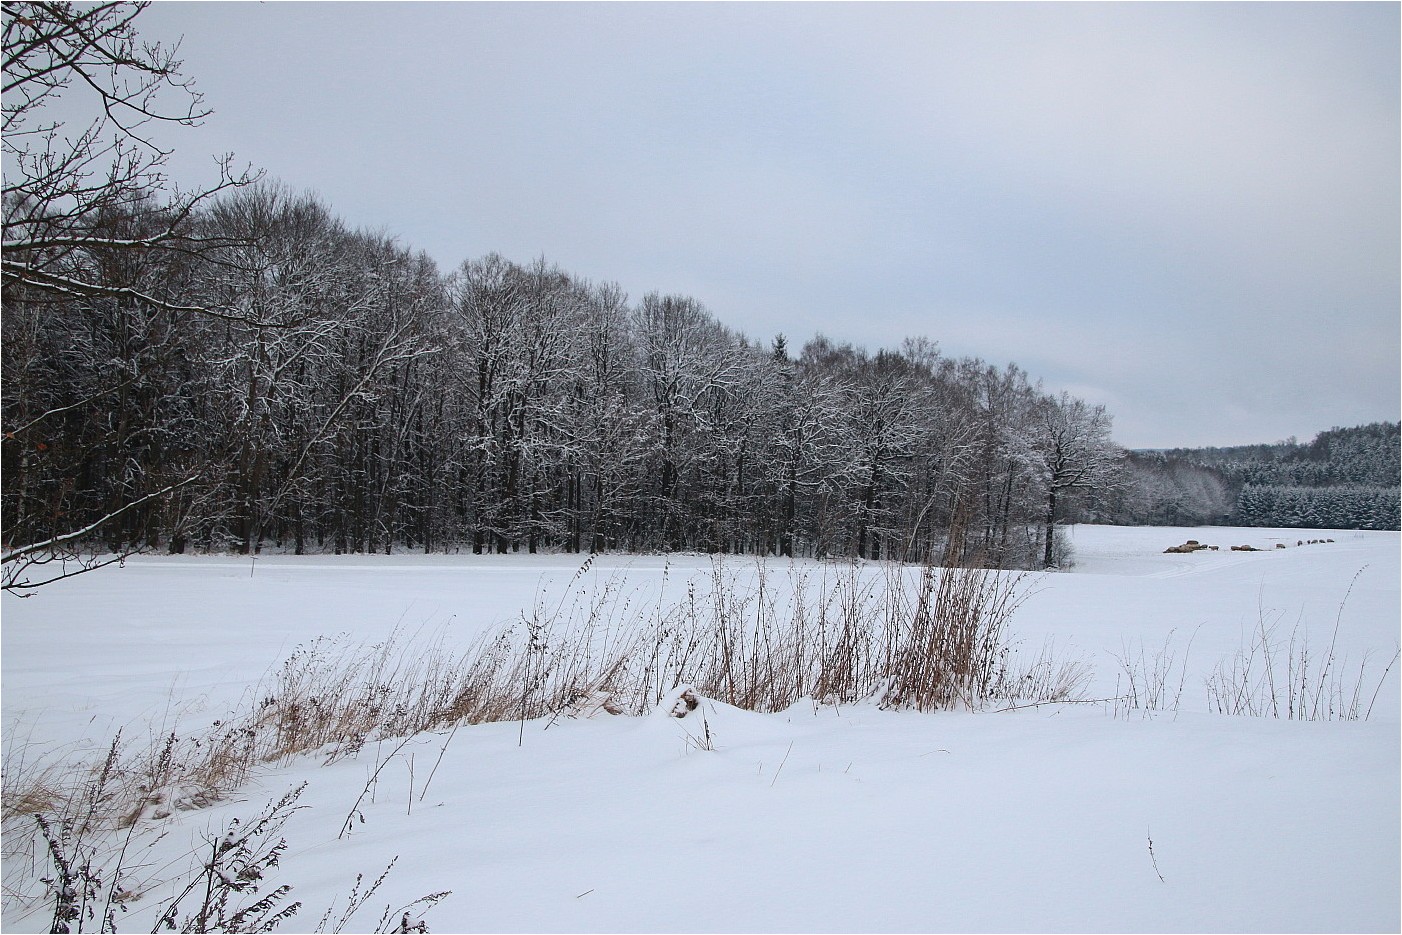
<point x="923" y="638"/>
<point x="31" y="784"/>
<point x="1275" y="676"/>
<point x="1152" y="680"/>
<point x="920" y="638"/>
<point x="914" y="638"/>
<point x="1050" y="677"/>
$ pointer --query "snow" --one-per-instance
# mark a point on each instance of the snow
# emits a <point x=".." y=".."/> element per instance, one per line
<point x="818" y="818"/>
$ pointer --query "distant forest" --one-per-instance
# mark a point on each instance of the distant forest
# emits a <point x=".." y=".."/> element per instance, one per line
<point x="1347" y="478"/>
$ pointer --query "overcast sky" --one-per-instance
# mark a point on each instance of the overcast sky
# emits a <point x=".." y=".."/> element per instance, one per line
<point x="1189" y="213"/>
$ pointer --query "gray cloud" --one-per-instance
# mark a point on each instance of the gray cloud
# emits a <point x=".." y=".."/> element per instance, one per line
<point x="1188" y="212"/>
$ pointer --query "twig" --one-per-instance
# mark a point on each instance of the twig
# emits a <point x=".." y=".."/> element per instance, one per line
<point x="1369" y="713"/>
<point x="441" y="750"/>
<point x="781" y="765"/>
<point x="1152" y="858"/>
<point x="350" y="816"/>
<point x="1039" y="704"/>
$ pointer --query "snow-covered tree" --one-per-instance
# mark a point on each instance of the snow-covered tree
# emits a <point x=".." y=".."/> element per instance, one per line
<point x="1074" y="455"/>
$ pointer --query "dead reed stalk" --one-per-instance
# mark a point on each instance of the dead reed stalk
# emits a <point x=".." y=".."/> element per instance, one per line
<point x="841" y="635"/>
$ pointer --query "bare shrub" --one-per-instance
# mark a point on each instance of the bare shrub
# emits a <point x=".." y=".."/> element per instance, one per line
<point x="409" y="918"/>
<point x="77" y="887"/>
<point x="1274" y="675"/>
<point x="88" y="879"/>
<point x="948" y="649"/>
<point x="1050" y="677"/>
<point x="1151" y="680"/>
<point x="231" y="874"/>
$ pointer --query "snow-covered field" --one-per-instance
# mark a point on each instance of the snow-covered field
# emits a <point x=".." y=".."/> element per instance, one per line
<point x="813" y="819"/>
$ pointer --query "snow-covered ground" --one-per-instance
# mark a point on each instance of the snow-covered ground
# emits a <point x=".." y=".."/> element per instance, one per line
<point x="814" y="819"/>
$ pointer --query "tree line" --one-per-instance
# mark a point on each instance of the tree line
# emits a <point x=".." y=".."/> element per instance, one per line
<point x="348" y="397"/>
<point x="235" y="369"/>
<point x="1346" y="478"/>
<point x="1344" y="507"/>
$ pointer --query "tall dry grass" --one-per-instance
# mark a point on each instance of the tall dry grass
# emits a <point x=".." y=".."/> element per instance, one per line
<point x="1288" y="676"/>
<point x="922" y="638"/>
<point x="1275" y="673"/>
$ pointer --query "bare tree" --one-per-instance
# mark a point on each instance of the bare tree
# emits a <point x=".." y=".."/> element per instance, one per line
<point x="804" y="438"/>
<point x="604" y="425"/>
<point x="1075" y="454"/>
<point x="685" y="358"/>
<point x="61" y="181"/>
<point x="91" y="227"/>
<point x="316" y="371"/>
